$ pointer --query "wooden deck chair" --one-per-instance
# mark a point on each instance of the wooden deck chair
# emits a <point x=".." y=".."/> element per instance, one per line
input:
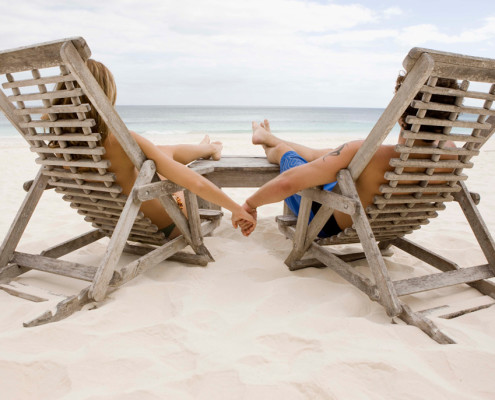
<point x="409" y="199"/>
<point x="77" y="170"/>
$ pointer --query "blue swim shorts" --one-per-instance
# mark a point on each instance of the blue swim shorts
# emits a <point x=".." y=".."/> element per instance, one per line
<point x="290" y="160"/>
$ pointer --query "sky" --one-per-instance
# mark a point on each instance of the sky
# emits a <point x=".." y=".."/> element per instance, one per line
<point x="314" y="53"/>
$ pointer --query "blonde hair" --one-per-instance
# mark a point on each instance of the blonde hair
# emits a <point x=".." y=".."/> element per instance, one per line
<point x="107" y="82"/>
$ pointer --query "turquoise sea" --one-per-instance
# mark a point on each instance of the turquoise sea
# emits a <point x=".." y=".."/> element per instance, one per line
<point x="183" y="120"/>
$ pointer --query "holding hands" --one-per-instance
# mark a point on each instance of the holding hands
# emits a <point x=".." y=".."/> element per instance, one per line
<point x="245" y="219"/>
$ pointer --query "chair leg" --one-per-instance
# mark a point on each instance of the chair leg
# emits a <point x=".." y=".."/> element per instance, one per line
<point x="63" y="310"/>
<point x="388" y="296"/>
<point x="427" y="326"/>
<point x="298" y="249"/>
<point x="21" y="219"/>
<point x="103" y="275"/>
<point x="195" y="225"/>
<point x="478" y="226"/>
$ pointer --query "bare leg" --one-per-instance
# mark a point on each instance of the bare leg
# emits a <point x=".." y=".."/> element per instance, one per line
<point x="186" y="153"/>
<point x="262" y="135"/>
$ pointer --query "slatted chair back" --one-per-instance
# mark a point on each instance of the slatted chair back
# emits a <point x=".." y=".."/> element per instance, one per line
<point x="425" y="175"/>
<point x="45" y="99"/>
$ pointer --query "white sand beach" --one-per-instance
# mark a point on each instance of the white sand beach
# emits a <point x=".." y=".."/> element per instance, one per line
<point x="244" y="327"/>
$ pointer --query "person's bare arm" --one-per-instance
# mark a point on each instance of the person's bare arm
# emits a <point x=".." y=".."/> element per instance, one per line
<point x="182" y="175"/>
<point x="318" y="172"/>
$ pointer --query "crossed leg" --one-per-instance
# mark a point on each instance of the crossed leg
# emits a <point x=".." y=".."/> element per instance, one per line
<point x="186" y="153"/>
<point x="275" y="147"/>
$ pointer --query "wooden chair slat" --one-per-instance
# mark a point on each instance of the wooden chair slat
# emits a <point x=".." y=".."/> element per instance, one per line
<point x="84" y="163"/>
<point x="53" y="109"/>
<point x="38" y="81"/>
<point x="56" y="94"/>
<point x="72" y="150"/>
<point x="62" y="123"/>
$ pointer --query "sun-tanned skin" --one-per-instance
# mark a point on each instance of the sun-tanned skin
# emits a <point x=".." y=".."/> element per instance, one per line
<point x="170" y="164"/>
<point x="322" y="168"/>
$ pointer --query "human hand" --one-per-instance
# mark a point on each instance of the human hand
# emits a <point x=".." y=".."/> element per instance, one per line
<point x="244" y="219"/>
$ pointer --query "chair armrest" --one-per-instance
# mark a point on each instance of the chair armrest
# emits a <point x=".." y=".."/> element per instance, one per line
<point x="156" y="189"/>
<point x="27" y="185"/>
<point x="333" y="200"/>
<point x="476" y="197"/>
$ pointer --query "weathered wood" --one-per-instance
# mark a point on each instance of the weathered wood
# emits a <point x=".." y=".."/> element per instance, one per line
<point x="70" y="137"/>
<point x="59" y="267"/>
<point x="419" y="176"/>
<point x="425" y="255"/>
<point x="336" y="264"/>
<point x="11" y="271"/>
<point x="63" y="310"/>
<point x="454" y="151"/>
<point x="405" y="209"/>
<point x="307" y="263"/>
<point x="135" y="229"/>
<point x="412" y="83"/>
<point x="86" y="176"/>
<point x="92" y="190"/>
<point x="336" y="201"/>
<point x="91" y="216"/>
<point x="420" y="189"/>
<point x="156" y="189"/>
<point x="242" y="180"/>
<point x="445" y="122"/>
<point x="423" y="323"/>
<point x="458" y="93"/>
<point x="101" y="103"/>
<point x="451" y="108"/>
<point x="410" y="199"/>
<point x="465" y="311"/>
<point x="22" y="218"/>
<point x="56" y="94"/>
<point x="404" y="224"/>
<point x="301" y="231"/>
<point x="182" y="257"/>
<point x="95" y="198"/>
<point x="42" y="55"/>
<point x="210" y="214"/>
<point x="71" y="245"/>
<point x="175" y="213"/>
<point x="388" y="296"/>
<point x="193" y="217"/>
<point x="441" y="263"/>
<point x="93" y="186"/>
<point x="97" y="151"/>
<point x="443" y="279"/>
<point x="84" y="163"/>
<point x="158" y="255"/>
<point x="477" y="224"/>
<point x="420" y="163"/>
<point x="412" y="216"/>
<point x="88" y="205"/>
<point x="15" y="291"/>
<point x="237" y="171"/>
<point x="286" y="220"/>
<point x="62" y="123"/>
<point x="102" y="278"/>
<point x="46" y="80"/>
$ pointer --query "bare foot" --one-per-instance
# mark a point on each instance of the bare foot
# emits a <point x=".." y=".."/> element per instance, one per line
<point x="265" y="124"/>
<point x="262" y="136"/>
<point x="206" y="140"/>
<point x="217" y="154"/>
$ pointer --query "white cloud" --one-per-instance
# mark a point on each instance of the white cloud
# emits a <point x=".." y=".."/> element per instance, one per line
<point x="392" y="12"/>
<point x="427" y="33"/>
<point x="278" y="52"/>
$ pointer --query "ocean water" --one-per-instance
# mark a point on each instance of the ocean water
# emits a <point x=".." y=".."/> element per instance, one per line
<point x="183" y="120"/>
